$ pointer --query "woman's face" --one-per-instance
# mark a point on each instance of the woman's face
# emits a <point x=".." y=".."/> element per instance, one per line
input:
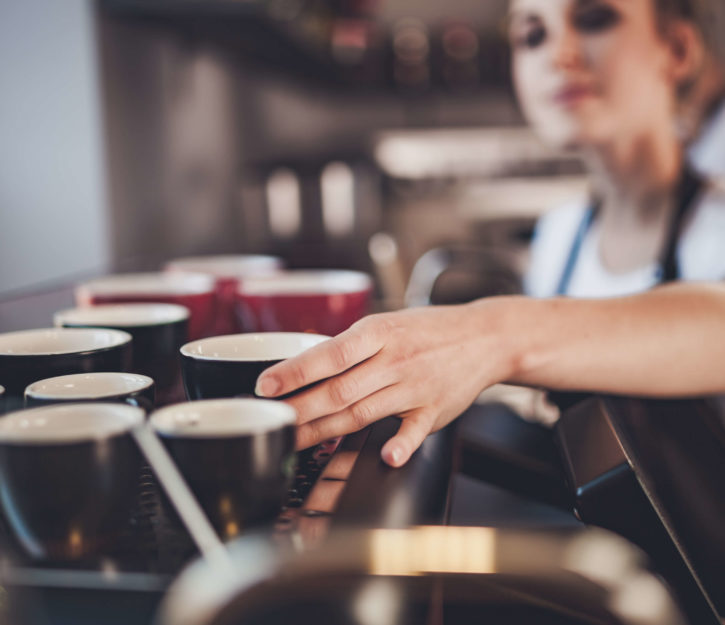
<point x="589" y="72"/>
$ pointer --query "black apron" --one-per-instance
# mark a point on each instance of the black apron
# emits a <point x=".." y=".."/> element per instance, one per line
<point x="688" y="190"/>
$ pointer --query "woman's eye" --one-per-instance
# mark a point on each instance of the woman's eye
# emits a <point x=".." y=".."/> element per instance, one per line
<point x="596" y="19"/>
<point x="531" y="37"/>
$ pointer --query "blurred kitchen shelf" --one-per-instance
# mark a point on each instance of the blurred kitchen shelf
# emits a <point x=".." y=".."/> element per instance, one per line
<point x="242" y="28"/>
<point x="300" y="46"/>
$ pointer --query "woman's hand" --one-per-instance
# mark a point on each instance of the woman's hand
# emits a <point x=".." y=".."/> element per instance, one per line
<point x="427" y="365"/>
<point x="424" y="365"/>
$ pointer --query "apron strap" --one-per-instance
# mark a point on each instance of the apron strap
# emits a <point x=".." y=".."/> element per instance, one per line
<point x="688" y="190"/>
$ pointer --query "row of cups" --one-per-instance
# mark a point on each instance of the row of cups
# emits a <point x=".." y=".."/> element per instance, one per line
<point x="231" y="294"/>
<point x="91" y="364"/>
<point x="197" y="297"/>
<point x="69" y="466"/>
<point x="69" y="472"/>
<point x="193" y="298"/>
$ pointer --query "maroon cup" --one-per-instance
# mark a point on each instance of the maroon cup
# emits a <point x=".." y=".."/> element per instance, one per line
<point x="228" y="272"/>
<point x="194" y="291"/>
<point x="319" y="301"/>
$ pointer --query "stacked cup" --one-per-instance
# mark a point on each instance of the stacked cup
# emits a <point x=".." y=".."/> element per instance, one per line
<point x="69" y="472"/>
<point x="158" y="331"/>
<point x="319" y="301"/>
<point x="228" y="272"/>
<point x="29" y="355"/>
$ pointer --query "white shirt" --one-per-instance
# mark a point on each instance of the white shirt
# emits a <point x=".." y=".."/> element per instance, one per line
<point x="700" y="253"/>
<point x="707" y="153"/>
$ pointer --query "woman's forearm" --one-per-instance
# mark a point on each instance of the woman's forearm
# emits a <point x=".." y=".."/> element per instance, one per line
<point x="666" y="342"/>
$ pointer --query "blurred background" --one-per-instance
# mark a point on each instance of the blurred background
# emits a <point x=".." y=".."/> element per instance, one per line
<point x="135" y="131"/>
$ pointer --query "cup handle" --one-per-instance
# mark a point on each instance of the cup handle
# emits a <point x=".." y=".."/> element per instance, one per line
<point x="188" y="508"/>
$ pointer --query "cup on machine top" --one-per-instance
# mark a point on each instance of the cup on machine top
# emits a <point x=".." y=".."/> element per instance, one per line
<point x="31" y="355"/>
<point x="237" y="456"/>
<point x="194" y="291"/>
<point x="69" y="475"/>
<point x="228" y="366"/>
<point x="158" y="331"/>
<point x="228" y="271"/>
<point x="106" y="386"/>
<point x="320" y="301"/>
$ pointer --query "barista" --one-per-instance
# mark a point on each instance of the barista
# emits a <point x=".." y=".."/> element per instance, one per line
<point x="602" y="77"/>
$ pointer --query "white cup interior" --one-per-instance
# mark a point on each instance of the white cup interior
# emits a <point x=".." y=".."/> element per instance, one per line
<point x="307" y="282"/>
<point x="56" y="341"/>
<point x="227" y="266"/>
<point x="250" y="347"/>
<point x="122" y="315"/>
<point x="88" y="386"/>
<point x="147" y="284"/>
<point x="222" y="418"/>
<point x="68" y="423"/>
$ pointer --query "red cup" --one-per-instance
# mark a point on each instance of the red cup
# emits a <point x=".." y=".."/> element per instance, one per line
<point x="228" y="271"/>
<point x="318" y="301"/>
<point x="195" y="291"/>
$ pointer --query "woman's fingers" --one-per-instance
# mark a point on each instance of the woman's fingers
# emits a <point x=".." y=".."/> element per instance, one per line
<point x="322" y="361"/>
<point x="384" y="403"/>
<point x="346" y="389"/>
<point x="412" y="432"/>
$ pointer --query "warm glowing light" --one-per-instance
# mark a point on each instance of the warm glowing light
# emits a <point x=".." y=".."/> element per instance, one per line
<point x="225" y="506"/>
<point x="75" y="541"/>
<point x="433" y="550"/>
<point x="337" y="187"/>
<point x="231" y="529"/>
<point x="284" y="203"/>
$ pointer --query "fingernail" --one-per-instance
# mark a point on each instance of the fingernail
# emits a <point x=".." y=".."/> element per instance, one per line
<point x="267" y="386"/>
<point x="393" y="456"/>
<point x="396" y="455"/>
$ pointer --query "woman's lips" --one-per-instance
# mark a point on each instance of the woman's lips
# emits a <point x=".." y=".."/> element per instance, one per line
<point x="572" y="95"/>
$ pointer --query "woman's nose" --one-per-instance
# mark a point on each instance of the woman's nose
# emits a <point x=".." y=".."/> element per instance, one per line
<point x="566" y="49"/>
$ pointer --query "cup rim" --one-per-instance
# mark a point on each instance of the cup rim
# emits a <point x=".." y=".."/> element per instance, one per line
<point x="149" y="284"/>
<point x="115" y="338"/>
<point x="306" y="282"/>
<point x="236" y="417"/>
<point x="143" y="382"/>
<point x="112" y="315"/>
<point x="226" y="265"/>
<point x="194" y="349"/>
<point x="16" y="428"/>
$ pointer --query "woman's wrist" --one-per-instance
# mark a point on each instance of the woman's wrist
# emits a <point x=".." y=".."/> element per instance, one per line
<point x="507" y="332"/>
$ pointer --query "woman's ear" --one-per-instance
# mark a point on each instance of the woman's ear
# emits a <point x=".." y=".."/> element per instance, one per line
<point x="687" y="53"/>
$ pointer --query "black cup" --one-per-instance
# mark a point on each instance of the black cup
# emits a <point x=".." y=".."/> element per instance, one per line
<point x="158" y="331"/>
<point x="130" y="388"/>
<point x="237" y="456"/>
<point x="32" y="355"/>
<point x="228" y="366"/>
<point x="69" y="477"/>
